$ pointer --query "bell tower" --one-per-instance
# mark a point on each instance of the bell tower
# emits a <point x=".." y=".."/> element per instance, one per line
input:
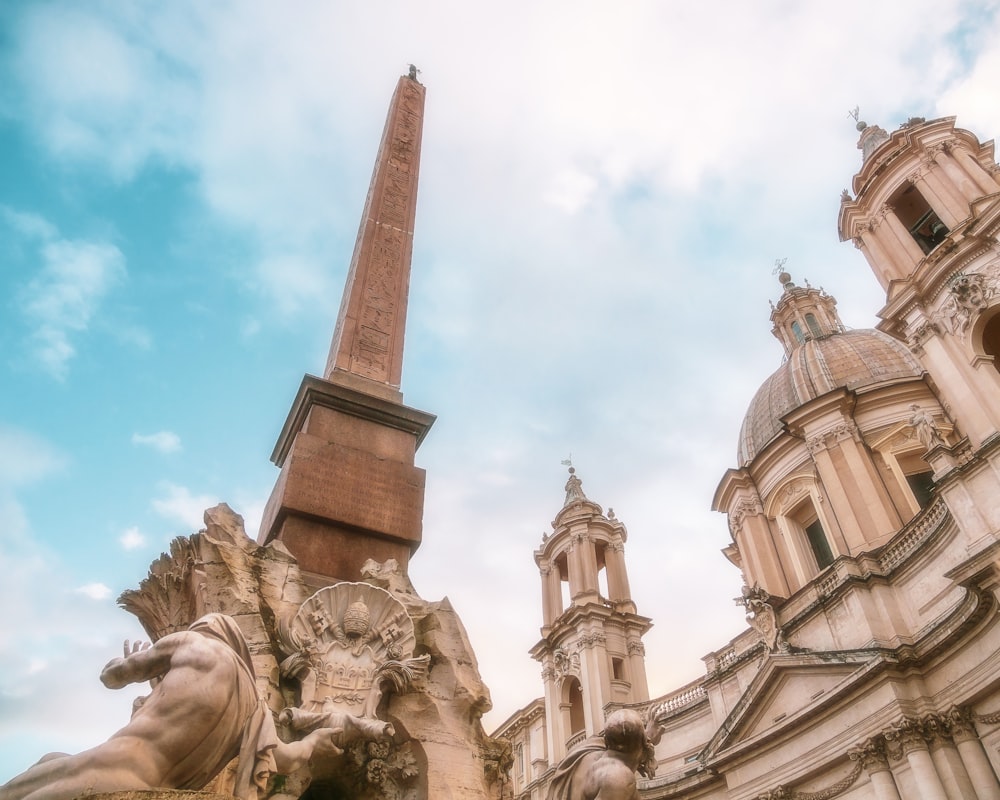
<point x="591" y="649"/>
<point x="925" y="214"/>
<point x="348" y="489"/>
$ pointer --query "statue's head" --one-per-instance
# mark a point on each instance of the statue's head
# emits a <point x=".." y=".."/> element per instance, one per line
<point x="624" y="731"/>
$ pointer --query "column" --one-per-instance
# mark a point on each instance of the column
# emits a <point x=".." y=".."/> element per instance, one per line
<point x="587" y="560"/>
<point x="614" y="562"/>
<point x="956" y="175"/>
<point x="906" y="241"/>
<point x="947" y="761"/>
<point x="877" y="257"/>
<point x="637" y="670"/>
<point x="959" y="386"/>
<point x="983" y="179"/>
<point x="594" y="679"/>
<point x="555" y="736"/>
<point x="914" y="746"/>
<point x="949" y="201"/>
<point x="970" y="749"/>
<point x="551" y="592"/>
<point x="873" y="759"/>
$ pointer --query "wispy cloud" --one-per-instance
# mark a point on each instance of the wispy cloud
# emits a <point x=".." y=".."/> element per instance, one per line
<point x="31" y="226"/>
<point x="163" y="441"/>
<point x="178" y="503"/>
<point x="26" y="458"/>
<point x="62" y="298"/>
<point x="95" y="591"/>
<point x="131" y="538"/>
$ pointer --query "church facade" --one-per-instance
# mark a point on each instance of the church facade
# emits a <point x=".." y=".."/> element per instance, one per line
<point x="865" y="517"/>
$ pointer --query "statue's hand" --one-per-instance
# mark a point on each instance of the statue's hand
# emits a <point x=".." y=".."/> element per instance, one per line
<point x="137" y="647"/>
<point x="323" y="745"/>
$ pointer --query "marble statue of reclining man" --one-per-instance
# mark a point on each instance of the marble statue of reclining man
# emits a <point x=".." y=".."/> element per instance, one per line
<point x="204" y="711"/>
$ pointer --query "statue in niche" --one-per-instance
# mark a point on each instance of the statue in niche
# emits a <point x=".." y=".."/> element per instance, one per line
<point x="606" y="765"/>
<point x="203" y="711"/>
<point x="925" y="427"/>
<point x="762" y="617"/>
<point x="349" y="643"/>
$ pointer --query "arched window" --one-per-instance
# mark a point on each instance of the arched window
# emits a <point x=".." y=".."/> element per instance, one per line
<point x="923" y="223"/>
<point x="991" y="340"/>
<point x="573" y="703"/>
<point x="797" y="332"/>
<point x="802" y="540"/>
<point x="814" y="328"/>
<point x="808" y="521"/>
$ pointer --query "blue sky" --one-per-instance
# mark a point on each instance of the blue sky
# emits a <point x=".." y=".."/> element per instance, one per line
<point x="604" y="192"/>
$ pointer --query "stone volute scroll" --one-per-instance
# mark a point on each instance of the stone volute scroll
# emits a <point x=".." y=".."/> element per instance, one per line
<point x="349" y="644"/>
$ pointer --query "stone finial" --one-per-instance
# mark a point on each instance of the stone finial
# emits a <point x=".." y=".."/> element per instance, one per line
<point x="871" y="137"/>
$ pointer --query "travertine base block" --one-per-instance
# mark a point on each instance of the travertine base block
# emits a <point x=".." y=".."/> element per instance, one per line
<point x="158" y="794"/>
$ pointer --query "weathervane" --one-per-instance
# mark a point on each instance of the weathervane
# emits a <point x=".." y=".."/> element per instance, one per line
<point x="854" y="113"/>
<point x="567" y="462"/>
<point x="779" y="265"/>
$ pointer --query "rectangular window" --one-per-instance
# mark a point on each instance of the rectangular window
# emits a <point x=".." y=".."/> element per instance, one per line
<point x="922" y="486"/>
<point x="617" y="669"/>
<point x="819" y="544"/>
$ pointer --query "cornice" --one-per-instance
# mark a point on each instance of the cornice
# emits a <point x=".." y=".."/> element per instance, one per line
<point x="315" y="391"/>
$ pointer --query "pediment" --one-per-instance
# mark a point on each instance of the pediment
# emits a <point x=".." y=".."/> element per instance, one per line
<point x="787" y="688"/>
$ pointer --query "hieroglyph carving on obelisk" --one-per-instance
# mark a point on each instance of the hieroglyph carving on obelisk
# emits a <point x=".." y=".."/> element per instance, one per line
<point x="368" y="339"/>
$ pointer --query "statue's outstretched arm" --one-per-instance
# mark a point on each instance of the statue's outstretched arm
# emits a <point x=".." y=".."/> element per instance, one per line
<point x="141" y="663"/>
<point x="290" y="756"/>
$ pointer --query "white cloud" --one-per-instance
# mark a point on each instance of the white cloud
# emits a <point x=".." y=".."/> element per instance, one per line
<point x="131" y="538"/>
<point x="61" y="299"/>
<point x="293" y="282"/>
<point x="570" y="190"/>
<point x="31" y="226"/>
<point x="95" y="591"/>
<point x="26" y="458"/>
<point x="180" y="505"/>
<point x="162" y="441"/>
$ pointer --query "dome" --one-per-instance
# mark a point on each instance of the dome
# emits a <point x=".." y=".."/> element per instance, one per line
<point x="851" y="359"/>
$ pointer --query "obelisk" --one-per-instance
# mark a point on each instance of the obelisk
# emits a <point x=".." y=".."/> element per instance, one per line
<point x="348" y="489"/>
